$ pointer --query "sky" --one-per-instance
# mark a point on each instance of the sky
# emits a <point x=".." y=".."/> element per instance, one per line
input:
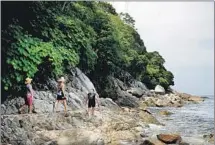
<point x="183" y="33"/>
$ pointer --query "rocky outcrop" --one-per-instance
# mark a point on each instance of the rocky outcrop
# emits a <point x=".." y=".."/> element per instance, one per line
<point x="110" y="126"/>
<point x="127" y="94"/>
<point x="171" y="100"/>
<point x="107" y="127"/>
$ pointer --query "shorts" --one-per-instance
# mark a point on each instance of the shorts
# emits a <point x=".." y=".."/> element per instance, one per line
<point x="91" y="103"/>
<point x="29" y="100"/>
<point x="61" y="98"/>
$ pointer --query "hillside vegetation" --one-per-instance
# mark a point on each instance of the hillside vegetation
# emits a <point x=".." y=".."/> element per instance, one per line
<point x="46" y="39"/>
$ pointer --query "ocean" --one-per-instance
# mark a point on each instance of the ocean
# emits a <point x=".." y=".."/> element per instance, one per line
<point x="191" y="121"/>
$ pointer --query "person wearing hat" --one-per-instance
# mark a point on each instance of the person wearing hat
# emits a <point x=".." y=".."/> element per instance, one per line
<point x="61" y="98"/>
<point x="29" y="96"/>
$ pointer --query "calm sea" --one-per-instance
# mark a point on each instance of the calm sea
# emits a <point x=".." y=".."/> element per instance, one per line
<point x="192" y="121"/>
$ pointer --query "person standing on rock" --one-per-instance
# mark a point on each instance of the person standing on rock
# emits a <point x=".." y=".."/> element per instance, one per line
<point x="91" y="100"/>
<point x="61" y="98"/>
<point x="29" y="96"/>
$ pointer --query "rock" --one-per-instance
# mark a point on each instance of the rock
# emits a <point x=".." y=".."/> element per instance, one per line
<point x="108" y="102"/>
<point x="195" y="99"/>
<point x="126" y="99"/>
<point x="138" y="84"/>
<point x="143" y="105"/>
<point x="143" y="135"/>
<point x="184" y="143"/>
<point x="157" y="142"/>
<point x="136" y="92"/>
<point x="148" y="118"/>
<point x="51" y="143"/>
<point x="188" y="97"/>
<point x="169" y="138"/>
<point x="162" y="102"/>
<point x="159" y="89"/>
<point x="75" y="100"/>
<point x="150" y="101"/>
<point x="100" y="142"/>
<point x="80" y="81"/>
<point x="147" y="142"/>
<point x="164" y="112"/>
<point x="209" y="138"/>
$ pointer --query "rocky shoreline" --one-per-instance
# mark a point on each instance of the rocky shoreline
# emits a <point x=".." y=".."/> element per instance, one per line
<point x="119" y="122"/>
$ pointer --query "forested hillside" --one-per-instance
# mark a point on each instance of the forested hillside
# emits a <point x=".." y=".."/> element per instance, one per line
<point x="46" y="39"/>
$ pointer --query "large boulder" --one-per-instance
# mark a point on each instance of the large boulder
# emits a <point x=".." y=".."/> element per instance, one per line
<point x="138" y="84"/>
<point x="108" y="102"/>
<point x="159" y="89"/>
<point x="80" y="81"/>
<point x="126" y="99"/>
<point x="136" y="92"/>
<point x="169" y="138"/>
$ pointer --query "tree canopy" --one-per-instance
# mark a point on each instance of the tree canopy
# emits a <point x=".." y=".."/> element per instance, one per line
<point x="47" y="38"/>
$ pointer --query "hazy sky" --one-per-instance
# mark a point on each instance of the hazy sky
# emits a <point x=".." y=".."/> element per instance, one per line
<point x="183" y="33"/>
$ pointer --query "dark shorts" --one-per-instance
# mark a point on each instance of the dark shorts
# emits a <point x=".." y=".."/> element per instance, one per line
<point x="61" y="98"/>
<point x="91" y="103"/>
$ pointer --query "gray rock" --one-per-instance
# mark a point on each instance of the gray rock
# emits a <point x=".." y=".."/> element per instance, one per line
<point x="108" y="102"/>
<point x="100" y="142"/>
<point x="81" y="81"/>
<point x="136" y="92"/>
<point x="138" y="84"/>
<point x="126" y="99"/>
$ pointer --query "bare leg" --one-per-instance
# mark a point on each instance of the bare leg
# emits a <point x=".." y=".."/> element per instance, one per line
<point x="30" y="108"/>
<point x="93" y="109"/>
<point x="64" y="104"/>
<point x="89" y="111"/>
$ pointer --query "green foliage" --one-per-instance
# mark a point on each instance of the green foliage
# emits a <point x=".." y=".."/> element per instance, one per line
<point x="27" y="53"/>
<point x="46" y="38"/>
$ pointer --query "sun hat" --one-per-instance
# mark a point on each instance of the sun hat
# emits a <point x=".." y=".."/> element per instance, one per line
<point x="28" y="80"/>
<point x="61" y="79"/>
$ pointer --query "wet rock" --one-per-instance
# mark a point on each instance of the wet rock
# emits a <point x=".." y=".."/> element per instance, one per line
<point x="147" y="142"/>
<point x="143" y="135"/>
<point x="209" y="138"/>
<point x="195" y="99"/>
<point x="157" y="142"/>
<point x="165" y="112"/>
<point x="148" y="118"/>
<point x="169" y="138"/>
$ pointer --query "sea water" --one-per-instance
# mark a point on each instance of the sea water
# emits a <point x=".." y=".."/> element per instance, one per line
<point x="191" y="121"/>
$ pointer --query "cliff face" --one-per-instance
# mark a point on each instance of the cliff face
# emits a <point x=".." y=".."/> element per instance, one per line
<point x="77" y="87"/>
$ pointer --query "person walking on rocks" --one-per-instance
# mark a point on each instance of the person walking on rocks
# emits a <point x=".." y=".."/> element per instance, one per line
<point x="91" y="100"/>
<point x="61" y="98"/>
<point x="29" y="96"/>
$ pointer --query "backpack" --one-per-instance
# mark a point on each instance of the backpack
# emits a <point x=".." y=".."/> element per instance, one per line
<point x="91" y="96"/>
